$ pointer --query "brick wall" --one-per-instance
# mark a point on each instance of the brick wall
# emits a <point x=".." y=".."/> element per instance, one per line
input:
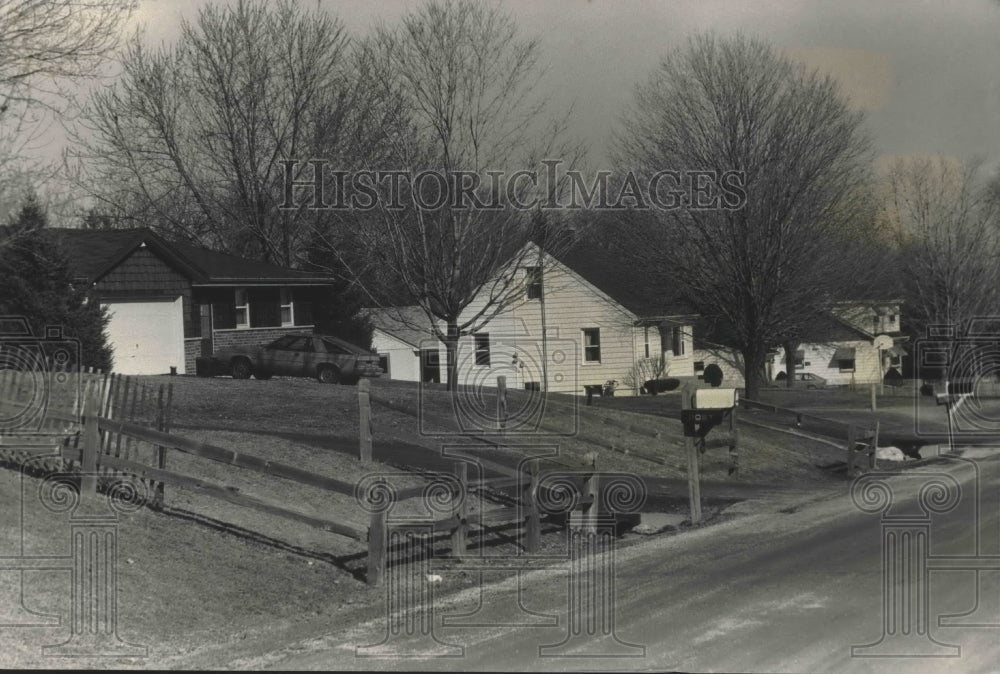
<point x="192" y="349"/>
<point x="223" y="339"/>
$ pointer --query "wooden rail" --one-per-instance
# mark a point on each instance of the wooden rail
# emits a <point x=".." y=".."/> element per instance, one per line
<point x="860" y="438"/>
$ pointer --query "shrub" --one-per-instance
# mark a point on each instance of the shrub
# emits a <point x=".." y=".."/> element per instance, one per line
<point x="36" y="283"/>
<point x="644" y="370"/>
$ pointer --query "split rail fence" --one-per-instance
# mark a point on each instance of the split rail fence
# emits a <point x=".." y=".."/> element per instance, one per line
<point x="114" y="428"/>
<point x="860" y="441"/>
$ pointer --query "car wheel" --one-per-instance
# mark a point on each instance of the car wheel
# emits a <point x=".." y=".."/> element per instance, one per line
<point x="242" y="369"/>
<point x="328" y="375"/>
<point x="263" y="376"/>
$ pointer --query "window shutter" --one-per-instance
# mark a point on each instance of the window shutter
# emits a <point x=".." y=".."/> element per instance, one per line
<point x="224" y="315"/>
<point x="265" y="307"/>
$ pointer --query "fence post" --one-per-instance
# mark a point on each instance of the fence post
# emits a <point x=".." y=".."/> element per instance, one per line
<point x="694" y="479"/>
<point x="459" y="540"/>
<point x="377" y="547"/>
<point x="852" y="439"/>
<point x="501" y="403"/>
<point x="91" y="447"/>
<point x="734" y="445"/>
<point x="873" y="448"/>
<point x="590" y="493"/>
<point x="162" y="425"/>
<point x="365" y="419"/>
<point x="874" y="399"/>
<point x="533" y="525"/>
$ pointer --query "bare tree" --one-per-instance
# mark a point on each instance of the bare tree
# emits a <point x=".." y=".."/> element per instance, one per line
<point x="764" y="248"/>
<point x="471" y="84"/>
<point x="194" y="137"/>
<point x="46" y="47"/>
<point x="947" y="225"/>
<point x="46" y="42"/>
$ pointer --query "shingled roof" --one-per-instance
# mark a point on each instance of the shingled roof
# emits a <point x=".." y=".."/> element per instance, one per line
<point x="599" y="258"/>
<point x="94" y="252"/>
<point x="407" y="324"/>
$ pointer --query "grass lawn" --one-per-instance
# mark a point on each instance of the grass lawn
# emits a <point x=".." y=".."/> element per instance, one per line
<point x="211" y="574"/>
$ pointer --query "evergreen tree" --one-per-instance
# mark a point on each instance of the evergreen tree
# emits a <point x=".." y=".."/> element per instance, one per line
<point x="36" y="283"/>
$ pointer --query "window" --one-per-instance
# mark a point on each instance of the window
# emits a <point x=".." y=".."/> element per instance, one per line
<point x="533" y="280"/>
<point x="592" y="345"/>
<point x="699" y="369"/>
<point x="645" y="337"/>
<point x="482" y="348"/>
<point x="846" y="364"/>
<point x="300" y="344"/>
<point x="383" y="362"/>
<point x="532" y="386"/>
<point x="242" y="308"/>
<point x="677" y="335"/>
<point x="287" y="308"/>
<point x="282" y="342"/>
<point x="333" y="347"/>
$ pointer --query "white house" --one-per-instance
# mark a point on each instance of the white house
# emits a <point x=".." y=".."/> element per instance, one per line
<point x="581" y="322"/>
<point x="856" y="344"/>
<point x="860" y="343"/>
<point x="588" y="321"/>
<point x="407" y="346"/>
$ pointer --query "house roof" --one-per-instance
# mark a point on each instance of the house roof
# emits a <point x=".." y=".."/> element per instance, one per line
<point x="407" y="324"/>
<point x="95" y="252"/>
<point x="598" y="258"/>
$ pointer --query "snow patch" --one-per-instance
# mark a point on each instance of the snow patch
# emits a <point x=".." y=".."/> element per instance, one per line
<point x="890" y="454"/>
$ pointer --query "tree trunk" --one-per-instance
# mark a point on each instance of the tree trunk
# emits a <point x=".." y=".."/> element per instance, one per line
<point x="753" y="366"/>
<point x="790" y="348"/>
<point x="451" y="348"/>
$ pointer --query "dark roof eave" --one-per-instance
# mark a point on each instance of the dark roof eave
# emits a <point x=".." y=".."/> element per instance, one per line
<point x="649" y="319"/>
<point x="264" y="281"/>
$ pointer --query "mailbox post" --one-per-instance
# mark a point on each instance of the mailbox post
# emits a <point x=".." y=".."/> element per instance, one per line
<point x="702" y="409"/>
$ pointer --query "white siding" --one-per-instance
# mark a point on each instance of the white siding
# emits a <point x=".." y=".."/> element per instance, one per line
<point x="820" y="362"/>
<point x="404" y="359"/>
<point x="571" y="306"/>
<point x="404" y="363"/>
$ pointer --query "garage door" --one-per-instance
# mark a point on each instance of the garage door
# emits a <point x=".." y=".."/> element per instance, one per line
<point x="147" y="337"/>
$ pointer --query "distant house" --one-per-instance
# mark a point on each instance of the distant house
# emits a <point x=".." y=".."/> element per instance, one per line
<point x="855" y="344"/>
<point x="860" y="343"/>
<point x="171" y="302"/>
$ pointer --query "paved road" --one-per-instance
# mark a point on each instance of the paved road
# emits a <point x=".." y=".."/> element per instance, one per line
<point x="789" y="590"/>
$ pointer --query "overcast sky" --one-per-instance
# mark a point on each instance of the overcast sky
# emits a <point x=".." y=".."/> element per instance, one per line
<point x="926" y="71"/>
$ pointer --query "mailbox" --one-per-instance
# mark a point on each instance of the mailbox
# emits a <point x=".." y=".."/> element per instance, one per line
<point x="715" y="398"/>
<point x="706" y="407"/>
